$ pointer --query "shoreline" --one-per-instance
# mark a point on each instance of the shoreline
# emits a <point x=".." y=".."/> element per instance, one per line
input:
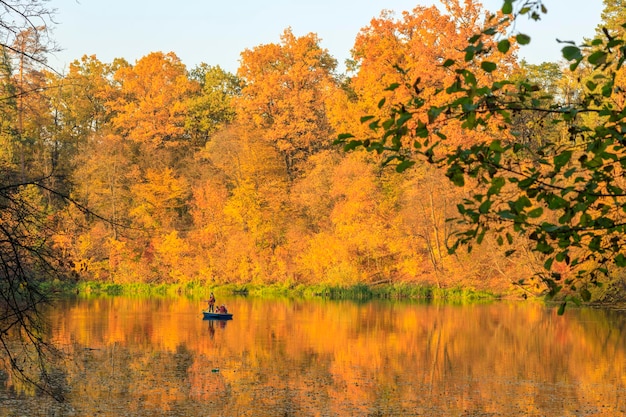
<point x="356" y="292"/>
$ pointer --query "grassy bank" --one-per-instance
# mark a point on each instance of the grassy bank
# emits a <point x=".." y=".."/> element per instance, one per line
<point x="360" y="292"/>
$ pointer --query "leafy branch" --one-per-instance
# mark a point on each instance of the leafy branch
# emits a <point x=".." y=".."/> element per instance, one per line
<point x="568" y="197"/>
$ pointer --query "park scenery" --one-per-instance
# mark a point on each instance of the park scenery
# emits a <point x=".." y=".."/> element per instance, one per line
<point x="436" y="169"/>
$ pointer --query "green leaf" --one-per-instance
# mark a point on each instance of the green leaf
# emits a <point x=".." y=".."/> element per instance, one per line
<point x="366" y="118"/>
<point x="585" y="220"/>
<point x="575" y="300"/>
<point x="543" y="247"/>
<point x="485" y="206"/>
<point x="525" y="183"/>
<point x="522" y="39"/>
<point x="533" y="214"/>
<point x="480" y="237"/>
<point x="504" y="45"/>
<point x="597" y="58"/>
<point x="343" y="136"/>
<point x="607" y="89"/>
<point x="562" y="309"/>
<point x="456" y="175"/>
<point x="488" y="66"/>
<point x="556" y="203"/>
<point x="620" y="260"/>
<point x="496" y="146"/>
<point x="404" y="165"/>
<point x="508" y="215"/>
<point x="521" y="202"/>
<point x="507" y="7"/>
<point x="585" y="295"/>
<point x="434" y="112"/>
<point x="404" y="117"/>
<point x="353" y="144"/>
<point x="595" y="244"/>
<point x="449" y="62"/>
<point x="496" y="185"/>
<point x="561" y="159"/>
<point x="571" y="52"/>
<point x="421" y="132"/>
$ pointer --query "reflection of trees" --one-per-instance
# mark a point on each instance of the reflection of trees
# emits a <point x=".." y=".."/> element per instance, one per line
<point x="341" y="359"/>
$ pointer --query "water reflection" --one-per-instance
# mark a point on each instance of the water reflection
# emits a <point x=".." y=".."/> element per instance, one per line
<point x="316" y="358"/>
<point x="213" y="323"/>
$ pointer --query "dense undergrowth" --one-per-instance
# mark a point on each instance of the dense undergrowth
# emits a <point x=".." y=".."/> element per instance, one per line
<point x="358" y="292"/>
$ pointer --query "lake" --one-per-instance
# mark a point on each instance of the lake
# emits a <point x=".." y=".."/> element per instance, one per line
<point x="128" y="356"/>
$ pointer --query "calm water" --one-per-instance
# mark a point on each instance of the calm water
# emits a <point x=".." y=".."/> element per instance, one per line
<point x="130" y="357"/>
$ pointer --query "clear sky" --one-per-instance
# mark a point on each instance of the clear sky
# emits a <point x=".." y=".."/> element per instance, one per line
<point x="217" y="31"/>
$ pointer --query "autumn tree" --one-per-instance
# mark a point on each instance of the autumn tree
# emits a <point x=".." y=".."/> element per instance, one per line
<point x="568" y="200"/>
<point x="26" y="254"/>
<point x="210" y="232"/>
<point x="362" y="222"/>
<point x="211" y="109"/>
<point x="103" y="169"/>
<point x="394" y="59"/>
<point x="9" y="139"/>
<point x="159" y="199"/>
<point x="255" y="213"/>
<point x="80" y="101"/>
<point x="151" y="108"/>
<point x="612" y="18"/>
<point x="612" y="29"/>
<point x="284" y="93"/>
<point x="26" y="62"/>
<point x="537" y="129"/>
<point x="26" y="259"/>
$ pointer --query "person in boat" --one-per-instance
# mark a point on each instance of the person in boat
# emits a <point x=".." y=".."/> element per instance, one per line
<point x="222" y="309"/>
<point x="211" y="303"/>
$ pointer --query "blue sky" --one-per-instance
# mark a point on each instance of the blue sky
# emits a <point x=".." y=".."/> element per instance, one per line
<point x="216" y="32"/>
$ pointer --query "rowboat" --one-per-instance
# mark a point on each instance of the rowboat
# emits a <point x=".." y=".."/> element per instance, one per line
<point x="217" y="316"/>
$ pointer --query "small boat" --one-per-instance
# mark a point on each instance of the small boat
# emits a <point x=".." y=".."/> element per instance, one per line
<point x="217" y="316"/>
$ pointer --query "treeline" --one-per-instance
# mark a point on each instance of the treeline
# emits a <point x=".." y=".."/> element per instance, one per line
<point x="201" y="175"/>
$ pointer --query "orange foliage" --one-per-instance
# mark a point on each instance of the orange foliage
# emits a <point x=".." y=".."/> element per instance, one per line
<point x="159" y="199"/>
<point x="151" y="107"/>
<point x="285" y="89"/>
<point x="410" y="53"/>
<point x="211" y="177"/>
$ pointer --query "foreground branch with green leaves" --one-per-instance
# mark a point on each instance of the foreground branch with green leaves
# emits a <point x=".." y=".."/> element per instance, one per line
<point x="566" y="193"/>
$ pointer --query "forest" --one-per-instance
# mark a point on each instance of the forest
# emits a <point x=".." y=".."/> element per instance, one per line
<point x="152" y="172"/>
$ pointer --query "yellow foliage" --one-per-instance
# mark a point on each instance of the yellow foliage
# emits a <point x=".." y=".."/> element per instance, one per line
<point x="159" y="198"/>
<point x="151" y="107"/>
